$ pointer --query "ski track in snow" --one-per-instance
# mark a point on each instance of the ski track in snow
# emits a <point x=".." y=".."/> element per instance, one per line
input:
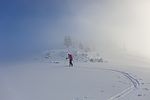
<point x="134" y="86"/>
<point x="134" y="81"/>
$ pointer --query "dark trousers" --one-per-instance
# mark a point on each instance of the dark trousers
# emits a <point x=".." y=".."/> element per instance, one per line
<point x="70" y="63"/>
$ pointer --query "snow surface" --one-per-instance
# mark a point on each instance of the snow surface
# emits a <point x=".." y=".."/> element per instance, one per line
<point x="84" y="81"/>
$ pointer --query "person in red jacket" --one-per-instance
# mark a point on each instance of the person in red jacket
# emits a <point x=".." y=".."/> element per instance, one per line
<point x="70" y="59"/>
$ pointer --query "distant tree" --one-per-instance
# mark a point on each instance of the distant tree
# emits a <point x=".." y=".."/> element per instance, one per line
<point x="87" y="49"/>
<point x="81" y="46"/>
<point x="67" y="41"/>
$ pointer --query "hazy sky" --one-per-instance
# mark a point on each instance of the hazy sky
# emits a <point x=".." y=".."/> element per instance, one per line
<point x="110" y="25"/>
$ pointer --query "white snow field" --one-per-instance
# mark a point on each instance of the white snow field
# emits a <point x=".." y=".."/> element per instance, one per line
<point x="84" y="81"/>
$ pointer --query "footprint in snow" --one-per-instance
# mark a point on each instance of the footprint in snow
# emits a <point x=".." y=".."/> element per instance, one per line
<point x="146" y="89"/>
<point x="139" y="95"/>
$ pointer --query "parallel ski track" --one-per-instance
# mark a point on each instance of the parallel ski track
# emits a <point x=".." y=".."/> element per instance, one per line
<point x="134" y="81"/>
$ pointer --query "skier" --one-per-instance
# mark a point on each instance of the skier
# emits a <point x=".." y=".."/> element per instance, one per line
<point x="70" y="59"/>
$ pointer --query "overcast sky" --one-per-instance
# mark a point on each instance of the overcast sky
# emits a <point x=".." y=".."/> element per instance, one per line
<point x="110" y="25"/>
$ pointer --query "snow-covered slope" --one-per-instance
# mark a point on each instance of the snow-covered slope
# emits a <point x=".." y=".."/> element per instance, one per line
<point x="84" y="81"/>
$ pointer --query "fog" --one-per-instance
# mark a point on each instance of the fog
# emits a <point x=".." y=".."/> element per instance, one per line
<point x="110" y="26"/>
